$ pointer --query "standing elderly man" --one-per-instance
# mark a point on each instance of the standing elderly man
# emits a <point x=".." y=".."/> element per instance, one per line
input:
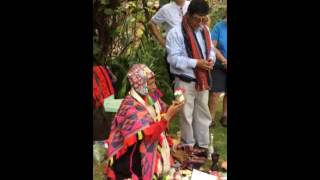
<point x="191" y="56"/>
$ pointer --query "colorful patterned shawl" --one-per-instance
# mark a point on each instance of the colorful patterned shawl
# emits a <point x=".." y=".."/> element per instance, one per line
<point x="127" y="128"/>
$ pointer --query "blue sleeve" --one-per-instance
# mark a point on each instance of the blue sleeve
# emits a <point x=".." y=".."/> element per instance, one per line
<point x="215" y="32"/>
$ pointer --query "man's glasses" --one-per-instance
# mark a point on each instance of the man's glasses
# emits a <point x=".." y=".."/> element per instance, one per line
<point x="199" y="19"/>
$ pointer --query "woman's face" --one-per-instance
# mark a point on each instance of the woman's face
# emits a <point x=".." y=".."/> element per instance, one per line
<point x="152" y="87"/>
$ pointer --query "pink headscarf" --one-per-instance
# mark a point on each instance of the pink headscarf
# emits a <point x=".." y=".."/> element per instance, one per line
<point x="138" y="76"/>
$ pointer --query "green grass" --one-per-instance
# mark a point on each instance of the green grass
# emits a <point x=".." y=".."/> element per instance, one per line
<point x="220" y="135"/>
<point x="98" y="171"/>
<point x="220" y="142"/>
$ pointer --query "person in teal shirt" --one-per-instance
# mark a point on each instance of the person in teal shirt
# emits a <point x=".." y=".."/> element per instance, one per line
<point x="219" y="72"/>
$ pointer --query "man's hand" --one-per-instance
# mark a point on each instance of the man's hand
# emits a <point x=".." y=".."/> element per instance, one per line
<point x="204" y="64"/>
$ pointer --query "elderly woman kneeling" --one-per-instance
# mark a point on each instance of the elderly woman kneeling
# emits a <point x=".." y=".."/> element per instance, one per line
<point x="138" y="146"/>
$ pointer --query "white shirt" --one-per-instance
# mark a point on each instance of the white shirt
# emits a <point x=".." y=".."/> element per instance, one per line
<point x="178" y="58"/>
<point x="170" y="15"/>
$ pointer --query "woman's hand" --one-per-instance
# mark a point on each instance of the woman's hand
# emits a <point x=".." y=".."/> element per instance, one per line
<point x="225" y="63"/>
<point x="173" y="109"/>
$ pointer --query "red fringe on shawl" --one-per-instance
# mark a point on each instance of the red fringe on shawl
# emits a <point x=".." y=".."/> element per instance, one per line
<point x="109" y="173"/>
<point x="127" y="143"/>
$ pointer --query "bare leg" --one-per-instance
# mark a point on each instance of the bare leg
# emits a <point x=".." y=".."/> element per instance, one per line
<point x="224" y="115"/>
<point x="214" y="97"/>
<point x="225" y="105"/>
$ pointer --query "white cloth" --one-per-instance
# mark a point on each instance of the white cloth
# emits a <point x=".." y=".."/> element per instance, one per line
<point x="178" y="58"/>
<point x="170" y="15"/>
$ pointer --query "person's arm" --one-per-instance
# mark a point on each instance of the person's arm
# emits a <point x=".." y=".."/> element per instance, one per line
<point x="156" y="33"/>
<point x="212" y="54"/>
<point x="214" y="38"/>
<point x="157" y="19"/>
<point x="176" y="55"/>
<point x="219" y="55"/>
<point x="153" y="132"/>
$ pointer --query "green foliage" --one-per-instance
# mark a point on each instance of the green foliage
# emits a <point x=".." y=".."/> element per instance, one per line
<point x="96" y="47"/>
<point x="149" y="53"/>
<point x="218" y="12"/>
<point x="108" y="11"/>
<point x="104" y="2"/>
<point x="163" y="2"/>
<point x="115" y="26"/>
